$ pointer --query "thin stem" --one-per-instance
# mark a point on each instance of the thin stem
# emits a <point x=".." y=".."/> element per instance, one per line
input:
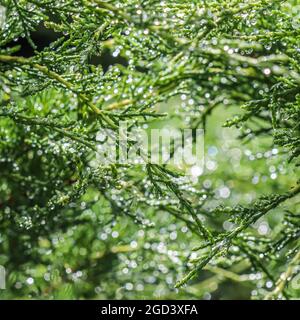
<point x="229" y="236"/>
<point x="55" y="76"/>
<point x="284" y="278"/>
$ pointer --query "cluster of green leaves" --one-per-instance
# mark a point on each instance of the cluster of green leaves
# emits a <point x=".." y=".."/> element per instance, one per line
<point x="70" y="227"/>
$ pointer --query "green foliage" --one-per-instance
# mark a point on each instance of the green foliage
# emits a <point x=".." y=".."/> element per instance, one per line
<point x="73" y="229"/>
